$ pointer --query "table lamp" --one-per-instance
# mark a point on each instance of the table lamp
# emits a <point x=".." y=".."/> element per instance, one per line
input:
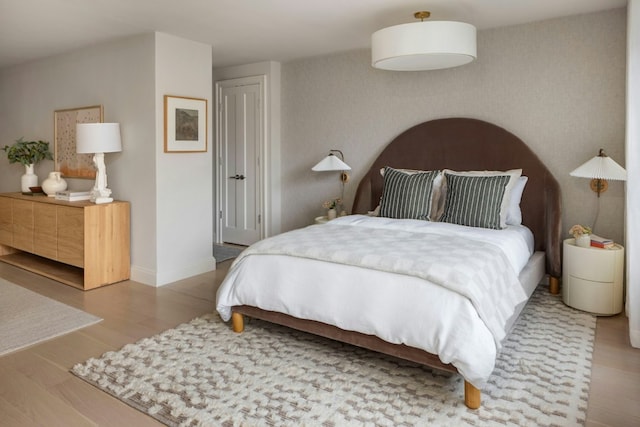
<point x="600" y="169"/>
<point x="99" y="138"/>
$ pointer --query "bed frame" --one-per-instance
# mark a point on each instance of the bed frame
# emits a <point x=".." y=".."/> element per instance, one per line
<point x="458" y="144"/>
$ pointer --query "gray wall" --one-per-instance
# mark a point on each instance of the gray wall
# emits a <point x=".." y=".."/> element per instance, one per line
<point x="559" y="85"/>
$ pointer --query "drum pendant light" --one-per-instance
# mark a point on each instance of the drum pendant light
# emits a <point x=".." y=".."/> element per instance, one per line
<point x="423" y="45"/>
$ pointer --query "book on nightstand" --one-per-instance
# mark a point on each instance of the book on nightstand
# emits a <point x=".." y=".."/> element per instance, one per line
<point x="601" y="242"/>
<point x="73" y="196"/>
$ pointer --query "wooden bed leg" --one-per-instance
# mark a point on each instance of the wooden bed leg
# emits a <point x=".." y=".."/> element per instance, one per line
<point x="237" y="322"/>
<point x="554" y="285"/>
<point x="471" y="396"/>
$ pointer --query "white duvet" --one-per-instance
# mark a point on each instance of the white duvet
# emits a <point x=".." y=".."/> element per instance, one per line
<point x="393" y="295"/>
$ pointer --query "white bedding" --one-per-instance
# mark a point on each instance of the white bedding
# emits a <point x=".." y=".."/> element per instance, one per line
<point x="379" y="302"/>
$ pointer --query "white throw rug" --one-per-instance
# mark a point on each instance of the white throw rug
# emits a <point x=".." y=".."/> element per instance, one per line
<point x="27" y="318"/>
<point x="202" y="373"/>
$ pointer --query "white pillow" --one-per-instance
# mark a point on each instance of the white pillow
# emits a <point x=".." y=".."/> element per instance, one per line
<point x="437" y="206"/>
<point x="514" y="216"/>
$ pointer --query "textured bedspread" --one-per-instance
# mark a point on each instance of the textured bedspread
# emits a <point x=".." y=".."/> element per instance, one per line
<point x="403" y="281"/>
<point x="475" y="269"/>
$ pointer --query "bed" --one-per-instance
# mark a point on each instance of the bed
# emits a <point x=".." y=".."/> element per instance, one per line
<point x="388" y="299"/>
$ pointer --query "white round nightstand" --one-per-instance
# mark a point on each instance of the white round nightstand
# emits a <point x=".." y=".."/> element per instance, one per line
<point x="592" y="278"/>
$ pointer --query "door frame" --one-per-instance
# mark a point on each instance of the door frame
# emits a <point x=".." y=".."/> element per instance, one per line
<point x="262" y="187"/>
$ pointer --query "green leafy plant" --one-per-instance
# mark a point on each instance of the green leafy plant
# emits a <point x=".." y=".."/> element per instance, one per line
<point x="28" y="152"/>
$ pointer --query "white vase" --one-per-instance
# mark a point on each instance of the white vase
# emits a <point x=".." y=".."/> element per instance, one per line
<point x="29" y="179"/>
<point x="54" y="183"/>
<point x="584" y="240"/>
<point x="331" y="214"/>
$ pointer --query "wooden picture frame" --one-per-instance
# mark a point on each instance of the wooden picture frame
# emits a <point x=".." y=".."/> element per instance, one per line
<point x="66" y="160"/>
<point x="185" y="124"/>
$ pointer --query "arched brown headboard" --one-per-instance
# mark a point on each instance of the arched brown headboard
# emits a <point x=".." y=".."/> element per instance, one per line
<point x="470" y="144"/>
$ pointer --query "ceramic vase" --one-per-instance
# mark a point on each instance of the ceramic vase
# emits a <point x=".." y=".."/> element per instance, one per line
<point x="331" y="214"/>
<point x="53" y="184"/>
<point x="584" y="240"/>
<point x="29" y="179"/>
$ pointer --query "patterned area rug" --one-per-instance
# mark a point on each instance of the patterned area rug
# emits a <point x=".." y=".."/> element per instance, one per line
<point x="201" y="373"/>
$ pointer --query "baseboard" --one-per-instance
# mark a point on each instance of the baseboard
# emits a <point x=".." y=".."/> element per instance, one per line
<point x="143" y="275"/>
<point x="634" y="336"/>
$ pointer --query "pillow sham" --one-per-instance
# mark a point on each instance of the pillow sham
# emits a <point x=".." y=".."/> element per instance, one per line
<point x="407" y="194"/>
<point x="478" y="198"/>
<point x="514" y="216"/>
<point x="437" y="197"/>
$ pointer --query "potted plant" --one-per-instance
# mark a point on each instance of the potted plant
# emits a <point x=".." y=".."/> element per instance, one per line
<point x="28" y="153"/>
<point x="582" y="235"/>
<point x="332" y="206"/>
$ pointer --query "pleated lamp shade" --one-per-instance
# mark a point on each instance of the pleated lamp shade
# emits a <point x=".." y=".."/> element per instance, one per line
<point x="601" y="167"/>
<point x="331" y="163"/>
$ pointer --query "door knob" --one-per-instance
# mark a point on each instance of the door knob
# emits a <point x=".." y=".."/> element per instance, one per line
<point x="237" y="176"/>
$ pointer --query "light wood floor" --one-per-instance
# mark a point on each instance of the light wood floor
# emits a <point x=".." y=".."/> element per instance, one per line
<point x="37" y="389"/>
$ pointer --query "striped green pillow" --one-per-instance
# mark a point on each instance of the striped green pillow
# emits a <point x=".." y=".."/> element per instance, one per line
<point x="475" y="200"/>
<point x="407" y="195"/>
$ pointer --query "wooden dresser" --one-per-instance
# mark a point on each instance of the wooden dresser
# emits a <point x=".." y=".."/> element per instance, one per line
<point x="77" y="243"/>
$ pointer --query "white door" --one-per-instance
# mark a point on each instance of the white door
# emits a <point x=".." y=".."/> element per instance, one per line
<point x="240" y="140"/>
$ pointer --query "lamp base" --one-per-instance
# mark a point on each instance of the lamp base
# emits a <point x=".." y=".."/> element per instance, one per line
<point x="101" y="200"/>
<point x="599" y="185"/>
<point x="99" y="196"/>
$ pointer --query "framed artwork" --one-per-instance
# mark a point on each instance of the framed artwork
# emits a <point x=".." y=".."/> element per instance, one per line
<point x="185" y="124"/>
<point x="66" y="160"/>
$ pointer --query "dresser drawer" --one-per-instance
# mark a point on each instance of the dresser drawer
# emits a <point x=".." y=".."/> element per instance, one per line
<point x="594" y="297"/>
<point x="595" y="264"/>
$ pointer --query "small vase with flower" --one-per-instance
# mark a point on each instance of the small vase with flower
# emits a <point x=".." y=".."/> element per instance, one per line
<point x="332" y="208"/>
<point x="582" y="235"/>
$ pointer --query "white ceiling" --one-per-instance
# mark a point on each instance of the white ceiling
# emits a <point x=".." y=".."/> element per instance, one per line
<point x="244" y="31"/>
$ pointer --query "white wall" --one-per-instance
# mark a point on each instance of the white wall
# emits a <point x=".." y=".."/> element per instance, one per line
<point x="120" y="76"/>
<point x="633" y="171"/>
<point x="558" y="84"/>
<point x="184" y="201"/>
<point x="272" y="172"/>
<point x="170" y="194"/>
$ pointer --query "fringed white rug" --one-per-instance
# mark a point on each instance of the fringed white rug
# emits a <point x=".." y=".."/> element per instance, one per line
<point x="202" y="373"/>
<point x="27" y="318"/>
